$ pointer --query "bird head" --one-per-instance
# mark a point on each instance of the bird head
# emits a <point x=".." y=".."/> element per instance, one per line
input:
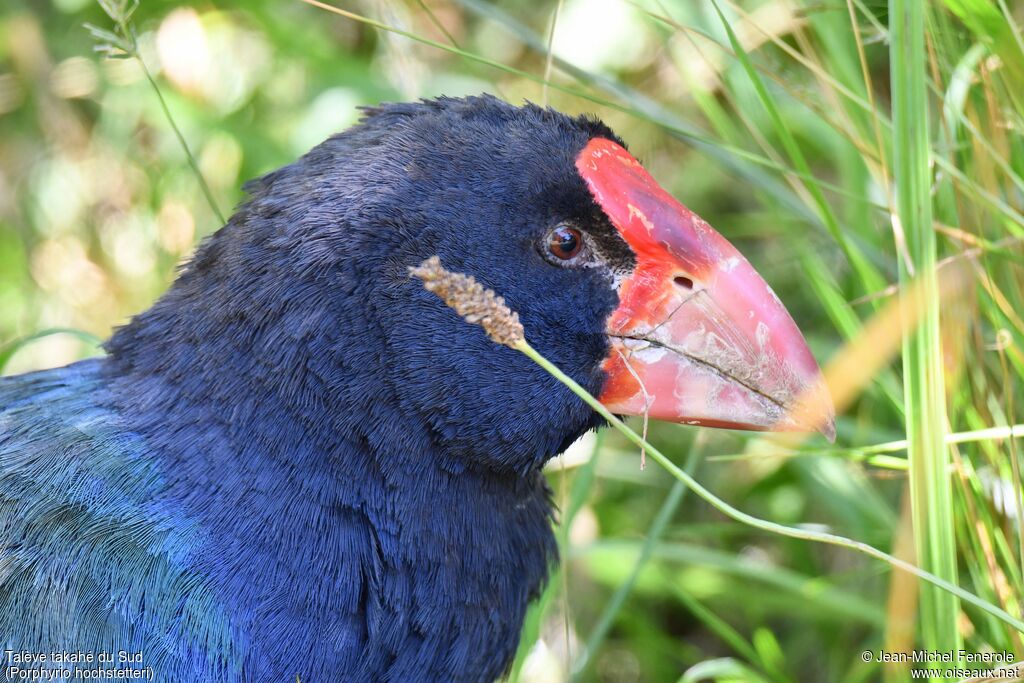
<point x="616" y="282"/>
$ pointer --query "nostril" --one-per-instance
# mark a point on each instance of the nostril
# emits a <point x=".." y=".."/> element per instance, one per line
<point x="684" y="282"/>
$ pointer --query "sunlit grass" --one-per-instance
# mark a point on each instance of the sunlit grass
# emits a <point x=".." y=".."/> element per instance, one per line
<point x="923" y="382"/>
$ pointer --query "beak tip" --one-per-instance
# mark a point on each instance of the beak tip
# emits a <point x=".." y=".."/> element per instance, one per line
<point x="828" y="429"/>
<point x="813" y="410"/>
<point x="827" y="421"/>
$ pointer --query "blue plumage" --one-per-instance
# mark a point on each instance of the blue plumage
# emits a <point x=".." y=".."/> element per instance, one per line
<point x="298" y="462"/>
<point x="92" y="557"/>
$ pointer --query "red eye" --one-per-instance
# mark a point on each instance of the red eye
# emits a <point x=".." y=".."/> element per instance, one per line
<point x="565" y="242"/>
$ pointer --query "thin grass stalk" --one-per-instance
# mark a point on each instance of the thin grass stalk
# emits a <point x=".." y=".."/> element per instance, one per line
<point x="756" y="522"/>
<point x="931" y="492"/>
<point x="611" y="609"/>
<point x="549" y="59"/>
<point x="582" y="483"/>
<point x="830" y="601"/>
<point x="437" y="23"/>
<point x="1007" y="433"/>
<point x="481" y="306"/>
<point x="124" y="43"/>
<point x="869" y="277"/>
<point x="8" y="350"/>
<point x="639" y="107"/>
<point x="643" y="107"/>
<point x="721" y="628"/>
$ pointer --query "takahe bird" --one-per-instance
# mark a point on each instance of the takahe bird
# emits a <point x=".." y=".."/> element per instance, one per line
<point x="299" y="462"/>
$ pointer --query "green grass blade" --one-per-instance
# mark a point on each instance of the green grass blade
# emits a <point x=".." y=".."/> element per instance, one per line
<point x="643" y="107"/>
<point x="654" y="533"/>
<point x="582" y="483"/>
<point x="763" y="524"/>
<point x="871" y="279"/>
<point x="8" y="350"/>
<point x="924" y="394"/>
<point x="124" y="40"/>
<point x="832" y="604"/>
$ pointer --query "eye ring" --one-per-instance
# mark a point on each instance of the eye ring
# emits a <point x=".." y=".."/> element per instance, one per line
<point x="564" y="242"/>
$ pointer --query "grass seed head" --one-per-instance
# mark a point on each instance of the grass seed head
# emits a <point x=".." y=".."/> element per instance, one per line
<point x="471" y="300"/>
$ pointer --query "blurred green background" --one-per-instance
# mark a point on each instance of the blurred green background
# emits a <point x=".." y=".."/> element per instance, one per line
<point x="778" y="134"/>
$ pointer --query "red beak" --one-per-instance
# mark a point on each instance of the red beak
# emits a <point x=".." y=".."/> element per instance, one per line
<point x="698" y="337"/>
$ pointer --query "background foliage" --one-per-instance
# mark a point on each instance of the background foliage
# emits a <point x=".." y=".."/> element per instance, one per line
<point x="774" y="124"/>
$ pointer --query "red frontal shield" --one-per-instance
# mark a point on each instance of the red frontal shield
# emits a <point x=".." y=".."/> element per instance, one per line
<point x="698" y="337"/>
